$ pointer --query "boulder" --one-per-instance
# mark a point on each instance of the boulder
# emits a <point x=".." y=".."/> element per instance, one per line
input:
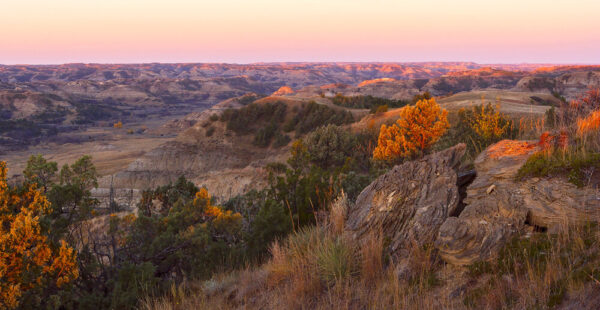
<point x="410" y="202"/>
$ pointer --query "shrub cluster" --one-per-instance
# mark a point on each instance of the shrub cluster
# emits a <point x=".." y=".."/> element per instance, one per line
<point x="577" y="166"/>
<point x="478" y="128"/>
<point x="269" y="122"/>
<point x="249" y="117"/>
<point x="177" y="233"/>
<point x="366" y="102"/>
<point x="23" y="131"/>
<point x="313" y="115"/>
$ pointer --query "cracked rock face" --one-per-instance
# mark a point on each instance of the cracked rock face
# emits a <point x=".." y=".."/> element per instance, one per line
<point x="410" y="202"/>
<point x="493" y="210"/>
<point x="498" y="206"/>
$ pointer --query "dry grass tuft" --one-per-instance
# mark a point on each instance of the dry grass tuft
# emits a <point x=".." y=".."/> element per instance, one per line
<point x="337" y="213"/>
<point x="371" y="253"/>
<point x="336" y="261"/>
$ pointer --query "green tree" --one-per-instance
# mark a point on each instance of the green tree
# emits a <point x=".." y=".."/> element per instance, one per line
<point x="330" y="146"/>
<point x="39" y="171"/>
<point x="71" y="199"/>
<point x="166" y="196"/>
<point x="82" y="174"/>
<point x="271" y="222"/>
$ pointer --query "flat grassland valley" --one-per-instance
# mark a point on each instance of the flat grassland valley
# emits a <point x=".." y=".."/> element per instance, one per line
<point x="435" y="185"/>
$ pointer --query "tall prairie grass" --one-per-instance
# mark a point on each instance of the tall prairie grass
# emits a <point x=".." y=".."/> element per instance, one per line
<point x="533" y="271"/>
<point x="572" y="149"/>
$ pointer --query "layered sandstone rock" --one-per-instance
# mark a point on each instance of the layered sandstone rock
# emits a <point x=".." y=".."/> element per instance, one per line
<point x="419" y="202"/>
<point x="553" y="203"/>
<point x="409" y="203"/>
<point x="498" y="206"/>
<point x="493" y="210"/>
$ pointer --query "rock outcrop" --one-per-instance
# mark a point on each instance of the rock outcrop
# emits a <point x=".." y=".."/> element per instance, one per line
<point x="498" y="206"/>
<point x="493" y="210"/>
<point x="409" y="203"/>
<point x="421" y="202"/>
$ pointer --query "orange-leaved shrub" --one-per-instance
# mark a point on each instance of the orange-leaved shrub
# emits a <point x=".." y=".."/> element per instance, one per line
<point x="418" y="128"/>
<point x="28" y="259"/>
<point x="223" y="220"/>
<point x="550" y="142"/>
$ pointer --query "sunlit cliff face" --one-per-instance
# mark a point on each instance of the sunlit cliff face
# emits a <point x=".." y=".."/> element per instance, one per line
<point x="369" y="82"/>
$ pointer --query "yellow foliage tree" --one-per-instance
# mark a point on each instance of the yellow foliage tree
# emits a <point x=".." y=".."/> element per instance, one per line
<point x="419" y="127"/>
<point x="118" y="124"/>
<point x="489" y="124"/>
<point x="27" y="259"/>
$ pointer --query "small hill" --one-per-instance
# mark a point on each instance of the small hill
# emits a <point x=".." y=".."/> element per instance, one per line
<point x="178" y="125"/>
<point x="485" y="71"/>
<point x="388" y="88"/>
<point x="514" y="104"/>
<point x="569" y="84"/>
<point x="227" y="149"/>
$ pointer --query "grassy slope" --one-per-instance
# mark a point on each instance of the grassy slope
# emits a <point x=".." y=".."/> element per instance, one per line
<point x="514" y="104"/>
<point x="322" y="268"/>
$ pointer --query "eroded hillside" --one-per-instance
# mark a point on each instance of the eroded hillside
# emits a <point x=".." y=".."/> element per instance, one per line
<point x="148" y="124"/>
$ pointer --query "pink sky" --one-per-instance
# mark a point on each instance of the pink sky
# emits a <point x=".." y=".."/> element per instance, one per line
<point x="241" y="31"/>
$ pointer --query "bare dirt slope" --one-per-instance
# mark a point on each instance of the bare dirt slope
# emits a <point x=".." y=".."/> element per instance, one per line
<point x="110" y="155"/>
<point x="226" y="163"/>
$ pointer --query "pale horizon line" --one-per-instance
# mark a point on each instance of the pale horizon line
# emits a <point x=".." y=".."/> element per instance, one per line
<point x="308" y="62"/>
